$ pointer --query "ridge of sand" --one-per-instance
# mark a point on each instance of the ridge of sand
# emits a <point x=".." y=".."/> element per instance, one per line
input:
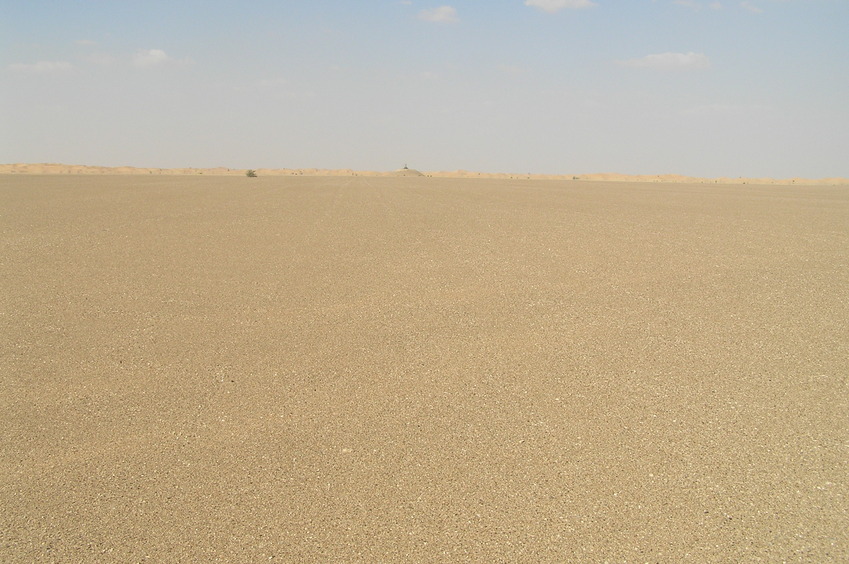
<point x="407" y="172"/>
<point x="58" y="168"/>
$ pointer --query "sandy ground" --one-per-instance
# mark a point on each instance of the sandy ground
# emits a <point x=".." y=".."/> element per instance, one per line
<point x="325" y="369"/>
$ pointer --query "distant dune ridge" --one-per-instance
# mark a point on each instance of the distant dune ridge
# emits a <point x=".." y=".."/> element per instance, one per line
<point x="57" y="168"/>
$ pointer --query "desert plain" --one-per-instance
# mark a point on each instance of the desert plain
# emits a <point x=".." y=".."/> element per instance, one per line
<point x="418" y="369"/>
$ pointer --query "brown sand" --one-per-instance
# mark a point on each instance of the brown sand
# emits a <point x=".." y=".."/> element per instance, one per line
<point x="411" y="369"/>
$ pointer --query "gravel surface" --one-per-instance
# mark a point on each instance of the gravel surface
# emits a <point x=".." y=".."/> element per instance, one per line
<point x="331" y="369"/>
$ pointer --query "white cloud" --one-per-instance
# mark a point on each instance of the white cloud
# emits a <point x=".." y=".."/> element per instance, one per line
<point x="86" y="42"/>
<point x="669" y="61"/>
<point x="692" y="4"/>
<point x="552" y="6"/>
<point x="42" y="67"/>
<point x="442" y="14"/>
<point x="696" y="6"/>
<point x="147" y="58"/>
<point x="150" y="58"/>
<point x="748" y="6"/>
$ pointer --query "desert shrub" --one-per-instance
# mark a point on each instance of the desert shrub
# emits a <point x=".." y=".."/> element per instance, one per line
<point x="251" y="173"/>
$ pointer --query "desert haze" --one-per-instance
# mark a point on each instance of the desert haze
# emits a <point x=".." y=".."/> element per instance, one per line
<point x="362" y="368"/>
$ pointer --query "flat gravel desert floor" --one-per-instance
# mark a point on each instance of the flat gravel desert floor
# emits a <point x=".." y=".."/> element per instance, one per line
<point x="355" y="369"/>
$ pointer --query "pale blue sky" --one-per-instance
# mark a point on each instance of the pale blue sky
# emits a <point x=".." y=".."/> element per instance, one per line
<point x="697" y="87"/>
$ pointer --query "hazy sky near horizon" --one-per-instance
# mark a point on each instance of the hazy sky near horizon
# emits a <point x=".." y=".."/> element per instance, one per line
<point x="696" y="87"/>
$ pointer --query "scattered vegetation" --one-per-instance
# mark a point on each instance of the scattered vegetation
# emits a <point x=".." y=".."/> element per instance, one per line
<point x="251" y="173"/>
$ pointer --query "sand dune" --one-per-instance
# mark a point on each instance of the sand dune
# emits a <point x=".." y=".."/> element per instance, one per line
<point x="411" y="369"/>
<point x="47" y="168"/>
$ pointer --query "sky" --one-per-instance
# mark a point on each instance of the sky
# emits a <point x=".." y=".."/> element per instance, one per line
<point x="697" y="87"/>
